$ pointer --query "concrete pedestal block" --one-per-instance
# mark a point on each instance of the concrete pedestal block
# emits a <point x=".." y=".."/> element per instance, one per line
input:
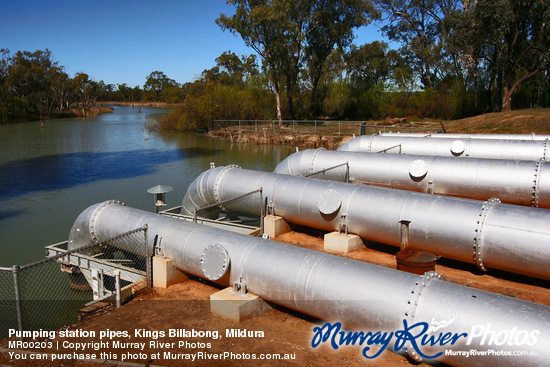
<point x="233" y="306"/>
<point x="341" y="242"/>
<point x="275" y="225"/>
<point x="165" y="273"/>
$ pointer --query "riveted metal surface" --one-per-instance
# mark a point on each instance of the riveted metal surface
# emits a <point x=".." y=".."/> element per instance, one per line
<point x="418" y="168"/>
<point x="321" y="285"/>
<point x="512" y="181"/>
<point x="441" y="225"/>
<point x="214" y="261"/>
<point x="525" y="150"/>
<point x="329" y="202"/>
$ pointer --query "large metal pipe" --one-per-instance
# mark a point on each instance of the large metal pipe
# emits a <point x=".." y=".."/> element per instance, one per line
<point x="360" y="295"/>
<point x="522" y="150"/>
<point x="490" y="234"/>
<point x="513" y="182"/>
<point x="532" y="136"/>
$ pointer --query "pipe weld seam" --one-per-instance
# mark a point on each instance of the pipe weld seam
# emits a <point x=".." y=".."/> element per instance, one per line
<point x="219" y="178"/>
<point x="536" y="183"/>
<point x="416" y="292"/>
<point x="478" y="253"/>
<point x="312" y="162"/>
<point x="96" y="212"/>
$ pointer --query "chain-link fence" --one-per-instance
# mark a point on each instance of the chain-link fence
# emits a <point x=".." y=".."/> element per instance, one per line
<point x="323" y="127"/>
<point x="48" y="294"/>
<point x="244" y="210"/>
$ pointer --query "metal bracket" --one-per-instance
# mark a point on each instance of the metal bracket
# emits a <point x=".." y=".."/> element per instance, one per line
<point x="343" y="224"/>
<point x="240" y="288"/>
<point x="413" y="304"/>
<point x="478" y="241"/>
<point x="430" y="187"/>
<point x="270" y="209"/>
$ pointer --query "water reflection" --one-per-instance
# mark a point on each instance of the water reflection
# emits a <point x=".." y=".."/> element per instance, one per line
<point x="49" y="176"/>
<point x="56" y="172"/>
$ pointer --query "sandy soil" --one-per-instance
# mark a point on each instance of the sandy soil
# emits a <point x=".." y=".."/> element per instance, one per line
<point x="186" y="306"/>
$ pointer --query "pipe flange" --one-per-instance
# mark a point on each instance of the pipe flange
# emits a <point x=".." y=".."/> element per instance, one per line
<point x="413" y="304"/>
<point x="478" y="241"/>
<point x="369" y="144"/>
<point x="329" y="202"/>
<point x="536" y="183"/>
<point x="214" y="262"/>
<point x="458" y="147"/>
<point x="219" y="178"/>
<point x="93" y="217"/>
<point x="418" y="169"/>
<point x="545" y="150"/>
<point x="312" y="161"/>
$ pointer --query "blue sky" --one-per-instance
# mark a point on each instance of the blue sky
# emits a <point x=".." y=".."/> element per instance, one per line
<point x="123" y="41"/>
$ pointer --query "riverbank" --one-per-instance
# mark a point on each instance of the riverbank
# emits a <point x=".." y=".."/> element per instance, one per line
<point x="142" y="104"/>
<point x="327" y="135"/>
<point x="303" y="141"/>
<point x="73" y="112"/>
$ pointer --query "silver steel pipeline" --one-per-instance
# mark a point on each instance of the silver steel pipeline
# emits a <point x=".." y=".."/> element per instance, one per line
<point x="532" y="136"/>
<point x="513" y="182"/>
<point x="490" y="234"/>
<point x="359" y="295"/>
<point x="522" y="150"/>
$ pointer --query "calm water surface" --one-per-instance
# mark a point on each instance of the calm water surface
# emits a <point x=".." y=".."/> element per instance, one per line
<point x="49" y="176"/>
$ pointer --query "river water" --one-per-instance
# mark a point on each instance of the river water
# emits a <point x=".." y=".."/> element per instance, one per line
<point x="49" y="176"/>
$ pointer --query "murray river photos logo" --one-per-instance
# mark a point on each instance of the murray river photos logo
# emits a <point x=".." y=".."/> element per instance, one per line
<point x="419" y="335"/>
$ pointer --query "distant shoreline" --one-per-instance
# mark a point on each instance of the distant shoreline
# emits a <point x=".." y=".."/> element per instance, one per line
<point x="73" y="112"/>
<point x="142" y="104"/>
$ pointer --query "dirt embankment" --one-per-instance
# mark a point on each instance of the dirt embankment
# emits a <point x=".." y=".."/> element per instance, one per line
<point x="144" y="104"/>
<point x="86" y="112"/>
<point x="510" y="122"/>
<point x="303" y="141"/>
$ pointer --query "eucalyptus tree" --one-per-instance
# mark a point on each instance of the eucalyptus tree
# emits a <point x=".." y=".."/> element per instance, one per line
<point x="289" y="34"/>
<point x="156" y="83"/>
<point x="29" y="81"/>
<point x="331" y="26"/>
<point x="416" y="25"/>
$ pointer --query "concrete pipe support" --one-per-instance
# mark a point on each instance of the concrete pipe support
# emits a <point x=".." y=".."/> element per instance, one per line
<point x="513" y="182"/>
<point x="359" y="295"/>
<point x="522" y="150"/>
<point x="490" y="234"/>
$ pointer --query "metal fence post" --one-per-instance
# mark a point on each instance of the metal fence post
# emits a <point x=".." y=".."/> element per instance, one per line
<point x="17" y="289"/>
<point x="315" y="127"/>
<point x="117" y="288"/>
<point x="262" y="214"/>
<point x="148" y="256"/>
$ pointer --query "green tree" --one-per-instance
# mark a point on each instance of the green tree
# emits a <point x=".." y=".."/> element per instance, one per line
<point x="416" y="25"/>
<point x="331" y="25"/>
<point x="272" y="29"/>
<point x="28" y="80"/>
<point x="155" y="84"/>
